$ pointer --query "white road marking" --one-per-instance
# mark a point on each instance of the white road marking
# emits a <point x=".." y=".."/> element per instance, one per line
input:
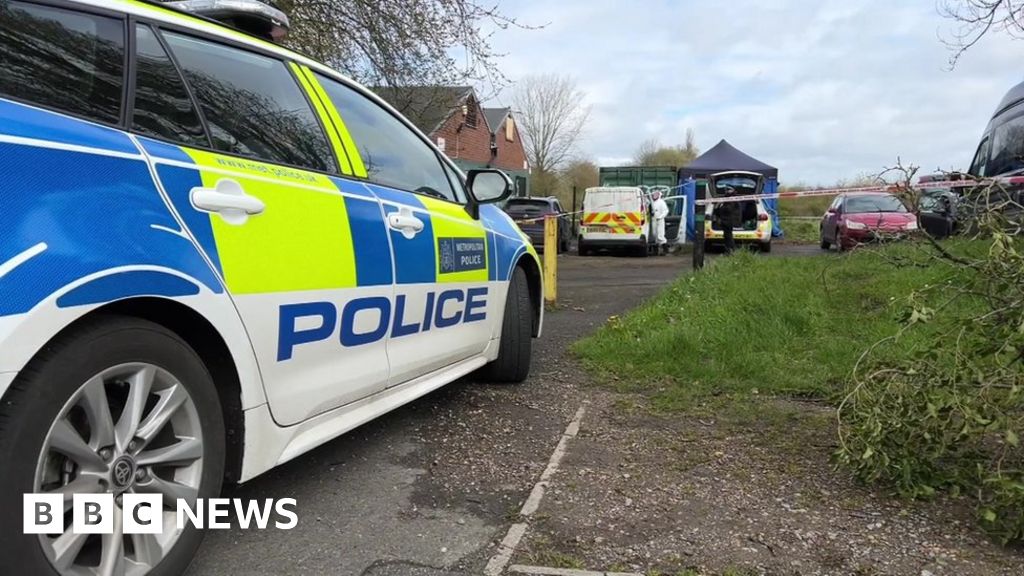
<point x="20" y="259"/>
<point x="544" y="571"/>
<point x="496" y="566"/>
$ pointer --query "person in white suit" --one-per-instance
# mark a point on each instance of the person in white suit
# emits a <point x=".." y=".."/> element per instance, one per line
<point x="659" y="209"/>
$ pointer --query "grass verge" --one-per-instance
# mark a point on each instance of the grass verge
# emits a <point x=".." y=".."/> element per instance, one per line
<point x="806" y="206"/>
<point x="751" y="325"/>
<point x="800" y="231"/>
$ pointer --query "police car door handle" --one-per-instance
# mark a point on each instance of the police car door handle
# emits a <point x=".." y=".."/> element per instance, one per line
<point x="405" y="222"/>
<point x="229" y="200"/>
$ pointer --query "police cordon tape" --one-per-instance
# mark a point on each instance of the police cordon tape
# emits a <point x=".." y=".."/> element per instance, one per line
<point x="879" y="189"/>
<point x="599" y="208"/>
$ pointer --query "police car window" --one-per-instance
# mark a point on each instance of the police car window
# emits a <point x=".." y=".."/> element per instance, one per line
<point x="61" y="59"/>
<point x="163" y="107"/>
<point x="393" y="154"/>
<point x="455" y="180"/>
<point x="252" y="104"/>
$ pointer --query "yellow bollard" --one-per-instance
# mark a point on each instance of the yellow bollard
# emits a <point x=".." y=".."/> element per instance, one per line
<point x="550" y="259"/>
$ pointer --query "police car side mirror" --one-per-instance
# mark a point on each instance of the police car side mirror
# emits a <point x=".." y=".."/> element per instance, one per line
<point x="486" y="187"/>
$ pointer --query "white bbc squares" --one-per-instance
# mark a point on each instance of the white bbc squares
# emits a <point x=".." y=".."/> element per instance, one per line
<point x="43" y="514"/>
<point x="143" y="513"/>
<point x="92" y="514"/>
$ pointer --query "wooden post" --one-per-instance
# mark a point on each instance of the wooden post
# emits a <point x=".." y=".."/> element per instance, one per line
<point x="550" y="259"/>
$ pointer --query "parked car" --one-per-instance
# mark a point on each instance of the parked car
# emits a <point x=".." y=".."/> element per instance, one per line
<point x="854" y="219"/>
<point x="529" y="214"/>
<point x="939" y="210"/>
<point x="753" y="227"/>
<point x="217" y="254"/>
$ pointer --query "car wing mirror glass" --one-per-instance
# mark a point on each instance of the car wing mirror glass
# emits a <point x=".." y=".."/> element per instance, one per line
<point x="486" y="187"/>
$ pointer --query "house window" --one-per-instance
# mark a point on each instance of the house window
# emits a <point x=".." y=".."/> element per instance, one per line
<point x="510" y="129"/>
<point x="470" y="113"/>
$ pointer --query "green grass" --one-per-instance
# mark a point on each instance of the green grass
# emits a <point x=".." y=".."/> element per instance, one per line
<point x="808" y="206"/>
<point x="800" y="231"/>
<point x="751" y="325"/>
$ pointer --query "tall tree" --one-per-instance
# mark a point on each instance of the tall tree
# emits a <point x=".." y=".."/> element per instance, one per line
<point x="652" y="153"/>
<point x="552" y="116"/>
<point x="976" y="18"/>
<point x="401" y="42"/>
<point x="580" y="174"/>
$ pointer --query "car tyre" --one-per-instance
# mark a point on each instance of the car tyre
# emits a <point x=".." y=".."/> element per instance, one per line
<point x="516" y="348"/>
<point x="581" y="248"/>
<point x="825" y="244"/>
<point x="766" y="247"/>
<point x="40" y="401"/>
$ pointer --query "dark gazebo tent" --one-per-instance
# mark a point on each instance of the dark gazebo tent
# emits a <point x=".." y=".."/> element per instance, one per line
<point x="724" y="157"/>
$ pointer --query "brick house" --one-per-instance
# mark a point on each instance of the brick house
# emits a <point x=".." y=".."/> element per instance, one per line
<point x="471" y="135"/>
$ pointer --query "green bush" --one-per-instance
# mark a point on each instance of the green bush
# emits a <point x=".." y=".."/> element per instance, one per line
<point x="949" y="416"/>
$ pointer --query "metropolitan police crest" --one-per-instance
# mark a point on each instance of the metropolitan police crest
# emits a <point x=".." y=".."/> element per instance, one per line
<point x="447" y="247"/>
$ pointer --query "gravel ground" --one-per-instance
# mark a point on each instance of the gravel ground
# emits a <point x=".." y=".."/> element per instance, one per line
<point x="753" y="494"/>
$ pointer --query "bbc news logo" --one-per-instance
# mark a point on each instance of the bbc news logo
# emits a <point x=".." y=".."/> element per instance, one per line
<point x="143" y="513"/>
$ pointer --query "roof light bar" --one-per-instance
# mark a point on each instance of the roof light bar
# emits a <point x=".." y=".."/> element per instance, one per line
<point x="251" y="16"/>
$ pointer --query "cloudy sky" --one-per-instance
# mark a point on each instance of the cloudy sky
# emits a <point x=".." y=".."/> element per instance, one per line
<point x="822" y="89"/>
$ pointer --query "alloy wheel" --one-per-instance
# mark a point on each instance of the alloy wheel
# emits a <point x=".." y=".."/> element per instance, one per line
<point x="132" y="428"/>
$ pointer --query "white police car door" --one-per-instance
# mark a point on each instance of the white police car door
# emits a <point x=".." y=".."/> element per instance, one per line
<point x="303" y="254"/>
<point x="444" y="306"/>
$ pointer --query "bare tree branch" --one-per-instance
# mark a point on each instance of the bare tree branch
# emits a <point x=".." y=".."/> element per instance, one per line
<point x="652" y="153"/>
<point x="402" y="42"/>
<point x="551" y="117"/>
<point x="976" y="18"/>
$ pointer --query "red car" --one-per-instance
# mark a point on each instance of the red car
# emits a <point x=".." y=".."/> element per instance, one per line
<point x="854" y="219"/>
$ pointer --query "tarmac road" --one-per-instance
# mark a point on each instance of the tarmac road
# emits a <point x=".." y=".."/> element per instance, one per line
<point x="430" y="488"/>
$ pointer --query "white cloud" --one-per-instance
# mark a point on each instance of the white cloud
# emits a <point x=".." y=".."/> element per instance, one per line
<point x="822" y="89"/>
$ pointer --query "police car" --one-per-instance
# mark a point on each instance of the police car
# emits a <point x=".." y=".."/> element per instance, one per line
<point x="215" y="255"/>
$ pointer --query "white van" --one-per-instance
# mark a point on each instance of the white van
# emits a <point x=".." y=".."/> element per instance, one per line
<point x="615" y="217"/>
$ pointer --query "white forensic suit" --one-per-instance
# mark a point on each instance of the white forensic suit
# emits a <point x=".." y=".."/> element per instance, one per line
<point x="659" y="210"/>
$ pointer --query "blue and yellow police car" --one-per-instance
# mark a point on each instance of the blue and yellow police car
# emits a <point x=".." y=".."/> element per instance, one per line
<point x="215" y="255"/>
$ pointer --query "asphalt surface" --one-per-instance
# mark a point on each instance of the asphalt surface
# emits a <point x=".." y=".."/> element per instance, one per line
<point x="429" y="489"/>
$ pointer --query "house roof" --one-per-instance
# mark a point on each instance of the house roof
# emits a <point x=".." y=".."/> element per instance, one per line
<point x="495" y="116"/>
<point x="425" y="106"/>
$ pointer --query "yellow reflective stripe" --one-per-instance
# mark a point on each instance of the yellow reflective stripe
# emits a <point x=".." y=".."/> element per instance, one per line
<point x="325" y="118"/>
<point x="302" y="240"/>
<point x="355" y="159"/>
<point x="451" y="221"/>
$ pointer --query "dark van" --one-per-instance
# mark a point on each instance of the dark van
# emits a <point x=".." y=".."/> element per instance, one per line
<point x="1001" y="151"/>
